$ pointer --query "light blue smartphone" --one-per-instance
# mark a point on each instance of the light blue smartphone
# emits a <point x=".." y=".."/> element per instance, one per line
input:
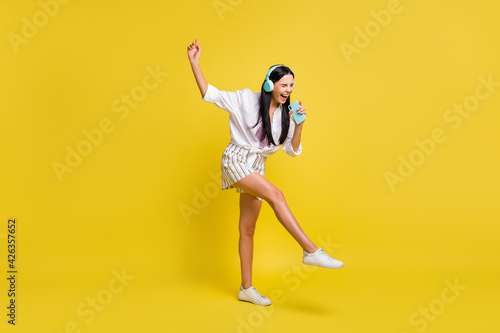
<point x="296" y="115"/>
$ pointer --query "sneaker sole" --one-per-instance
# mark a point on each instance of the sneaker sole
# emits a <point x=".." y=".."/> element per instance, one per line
<point x="249" y="301"/>
<point x="312" y="264"/>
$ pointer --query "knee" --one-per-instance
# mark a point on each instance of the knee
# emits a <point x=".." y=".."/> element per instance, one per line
<point x="247" y="231"/>
<point x="276" y="197"/>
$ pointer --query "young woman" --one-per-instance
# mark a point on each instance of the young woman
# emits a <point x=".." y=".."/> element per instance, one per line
<point x="259" y="124"/>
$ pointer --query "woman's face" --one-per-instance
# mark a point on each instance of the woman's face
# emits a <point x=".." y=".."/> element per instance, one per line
<point x="282" y="89"/>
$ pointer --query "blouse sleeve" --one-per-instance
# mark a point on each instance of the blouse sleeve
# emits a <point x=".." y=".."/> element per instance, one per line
<point x="287" y="145"/>
<point x="226" y="100"/>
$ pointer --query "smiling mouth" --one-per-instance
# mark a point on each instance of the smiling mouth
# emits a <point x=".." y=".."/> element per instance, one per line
<point x="284" y="97"/>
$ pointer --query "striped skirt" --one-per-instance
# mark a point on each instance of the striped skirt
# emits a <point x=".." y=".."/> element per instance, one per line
<point x="237" y="163"/>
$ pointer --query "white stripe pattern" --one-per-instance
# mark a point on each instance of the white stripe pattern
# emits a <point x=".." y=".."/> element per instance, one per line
<point x="237" y="163"/>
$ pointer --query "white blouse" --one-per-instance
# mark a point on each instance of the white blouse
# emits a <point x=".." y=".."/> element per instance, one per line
<point x="243" y="108"/>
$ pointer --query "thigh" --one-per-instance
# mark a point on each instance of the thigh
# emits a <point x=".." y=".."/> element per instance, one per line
<point x="257" y="185"/>
<point x="250" y="207"/>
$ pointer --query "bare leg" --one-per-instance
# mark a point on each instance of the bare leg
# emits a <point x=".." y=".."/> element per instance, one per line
<point x="255" y="184"/>
<point x="249" y="212"/>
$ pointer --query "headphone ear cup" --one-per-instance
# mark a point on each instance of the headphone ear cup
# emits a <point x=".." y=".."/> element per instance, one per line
<point x="268" y="86"/>
<point x="293" y="85"/>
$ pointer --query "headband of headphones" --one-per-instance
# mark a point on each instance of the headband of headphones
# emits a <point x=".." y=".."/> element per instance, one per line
<point x="268" y="84"/>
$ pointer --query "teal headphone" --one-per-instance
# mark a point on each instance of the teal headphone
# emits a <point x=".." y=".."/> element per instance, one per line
<point x="268" y="84"/>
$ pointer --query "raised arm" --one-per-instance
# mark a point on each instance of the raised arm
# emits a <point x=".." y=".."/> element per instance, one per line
<point x="194" y="51"/>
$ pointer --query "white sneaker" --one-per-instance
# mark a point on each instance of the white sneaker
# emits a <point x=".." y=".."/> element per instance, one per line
<point x="320" y="258"/>
<point x="252" y="295"/>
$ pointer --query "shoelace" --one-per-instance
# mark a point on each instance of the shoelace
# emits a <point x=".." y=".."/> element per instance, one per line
<point x="324" y="254"/>
<point x="256" y="293"/>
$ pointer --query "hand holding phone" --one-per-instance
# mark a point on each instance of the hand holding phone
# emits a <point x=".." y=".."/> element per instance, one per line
<point x="298" y="117"/>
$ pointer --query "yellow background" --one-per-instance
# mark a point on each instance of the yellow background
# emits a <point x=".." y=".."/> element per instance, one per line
<point x="120" y="208"/>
